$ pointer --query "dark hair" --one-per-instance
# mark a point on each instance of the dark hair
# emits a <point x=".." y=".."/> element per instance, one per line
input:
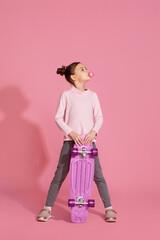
<point x="68" y="71"/>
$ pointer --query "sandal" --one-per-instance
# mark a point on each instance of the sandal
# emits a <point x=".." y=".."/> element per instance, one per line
<point x="44" y="215"/>
<point x="110" y="217"/>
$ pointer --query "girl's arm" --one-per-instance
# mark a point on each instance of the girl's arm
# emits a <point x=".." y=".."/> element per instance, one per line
<point x="60" y="114"/>
<point x="98" y="117"/>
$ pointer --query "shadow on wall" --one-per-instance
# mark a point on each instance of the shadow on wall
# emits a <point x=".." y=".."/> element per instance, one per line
<point x="23" y="152"/>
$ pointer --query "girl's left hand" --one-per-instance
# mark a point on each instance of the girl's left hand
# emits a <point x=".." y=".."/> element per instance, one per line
<point x="89" y="137"/>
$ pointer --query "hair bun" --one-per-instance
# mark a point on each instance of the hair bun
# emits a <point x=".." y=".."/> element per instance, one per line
<point x="61" y="70"/>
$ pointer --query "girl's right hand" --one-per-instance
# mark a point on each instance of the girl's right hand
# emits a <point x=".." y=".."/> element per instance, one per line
<point x="78" y="139"/>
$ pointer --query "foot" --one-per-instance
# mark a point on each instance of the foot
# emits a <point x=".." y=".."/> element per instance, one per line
<point x="44" y="215"/>
<point x="110" y="215"/>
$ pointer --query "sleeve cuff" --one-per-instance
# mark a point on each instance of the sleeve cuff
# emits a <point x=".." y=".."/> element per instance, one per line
<point x="69" y="130"/>
<point x="95" y="131"/>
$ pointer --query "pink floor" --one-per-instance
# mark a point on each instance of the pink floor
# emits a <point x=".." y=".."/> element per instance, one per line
<point x="137" y="218"/>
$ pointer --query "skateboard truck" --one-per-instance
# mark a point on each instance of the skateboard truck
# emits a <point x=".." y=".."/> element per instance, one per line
<point x="80" y="202"/>
<point x="83" y="152"/>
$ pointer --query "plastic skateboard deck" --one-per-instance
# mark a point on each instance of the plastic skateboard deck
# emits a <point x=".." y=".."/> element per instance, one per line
<point x="81" y="178"/>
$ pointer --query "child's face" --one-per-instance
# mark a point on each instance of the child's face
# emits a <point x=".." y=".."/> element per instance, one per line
<point x="81" y="73"/>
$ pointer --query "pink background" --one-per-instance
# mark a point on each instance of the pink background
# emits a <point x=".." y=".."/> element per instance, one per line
<point x="119" y="42"/>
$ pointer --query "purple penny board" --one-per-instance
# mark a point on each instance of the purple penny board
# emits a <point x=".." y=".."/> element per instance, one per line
<point x="81" y="174"/>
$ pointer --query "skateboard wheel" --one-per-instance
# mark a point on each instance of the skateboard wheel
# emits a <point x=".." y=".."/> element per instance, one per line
<point x="74" y="152"/>
<point x="94" y="152"/>
<point x="91" y="203"/>
<point x="71" y="203"/>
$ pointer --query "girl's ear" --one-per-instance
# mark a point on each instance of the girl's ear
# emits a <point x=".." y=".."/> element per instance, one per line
<point x="73" y="77"/>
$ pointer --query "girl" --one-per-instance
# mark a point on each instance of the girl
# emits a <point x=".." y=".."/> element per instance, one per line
<point x="75" y="112"/>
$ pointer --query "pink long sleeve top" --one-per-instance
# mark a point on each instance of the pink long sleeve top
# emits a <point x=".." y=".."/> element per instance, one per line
<point x="78" y="111"/>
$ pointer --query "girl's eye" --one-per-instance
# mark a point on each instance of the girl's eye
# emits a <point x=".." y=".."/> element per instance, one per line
<point x="83" y="68"/>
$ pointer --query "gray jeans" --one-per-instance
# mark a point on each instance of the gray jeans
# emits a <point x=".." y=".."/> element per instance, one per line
<point x="63" y="169"/>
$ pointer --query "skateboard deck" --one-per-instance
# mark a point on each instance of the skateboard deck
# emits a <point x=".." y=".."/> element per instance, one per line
<point x="81" y="174"/>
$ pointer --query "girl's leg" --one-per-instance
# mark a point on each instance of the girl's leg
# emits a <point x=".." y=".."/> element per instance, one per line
<point x="100" y="181"/>
<point x="60" y="173"/>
